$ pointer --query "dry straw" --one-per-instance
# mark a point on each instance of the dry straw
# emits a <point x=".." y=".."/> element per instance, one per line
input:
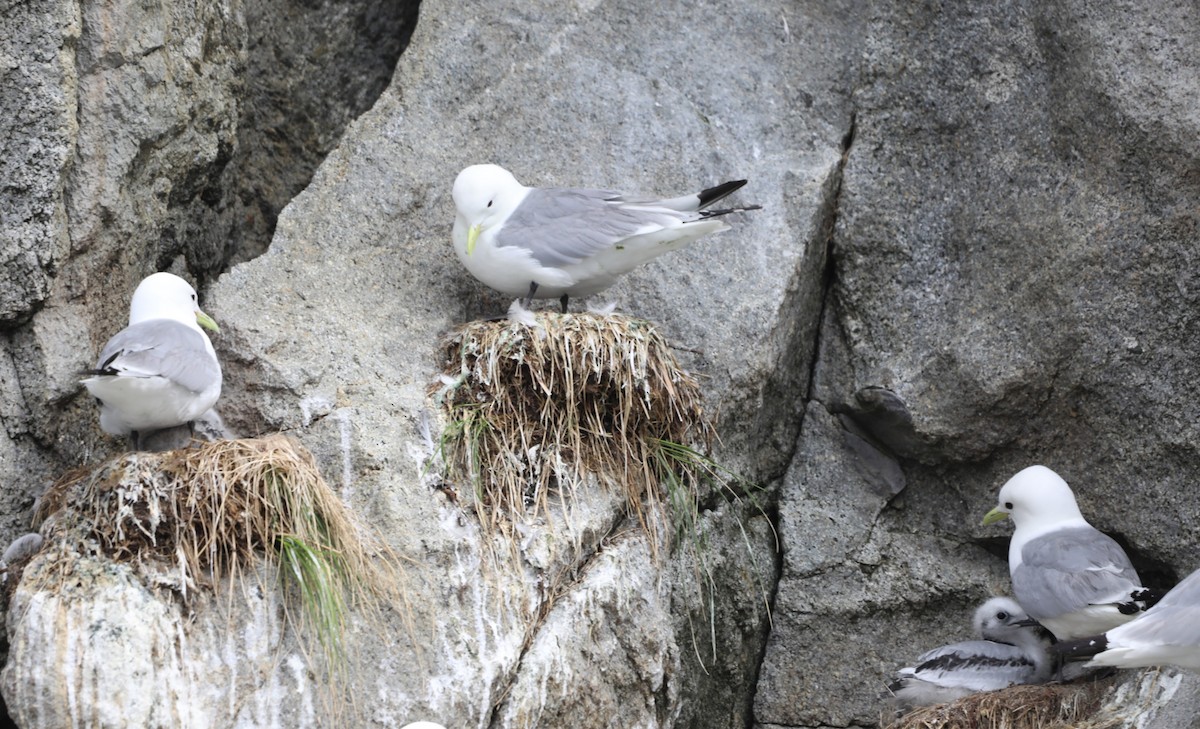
<point x="533" y="410"/>
<point x="209" y="512"/>
<point x="1051" y="706"/>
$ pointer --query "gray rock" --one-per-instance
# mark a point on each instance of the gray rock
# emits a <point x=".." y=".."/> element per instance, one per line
<point x="1011" y="286"/>
<point x="36" y="121"/>
<point x="1012" y="281"/>
<point x="126" y="655"/>
<point x="334" y="332"/>
<point x="310" y="67"/>
<point x="862" y="588"/>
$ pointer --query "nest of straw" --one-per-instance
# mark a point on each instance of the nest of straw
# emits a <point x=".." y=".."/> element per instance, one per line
<point x="208" y="512"/>
<point x="1049" y="706"/>
<point x="533" y="411"/>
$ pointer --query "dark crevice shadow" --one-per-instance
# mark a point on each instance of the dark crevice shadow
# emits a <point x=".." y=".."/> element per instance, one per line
<point x="311" y="67"/>
<point x="826" y="232"/>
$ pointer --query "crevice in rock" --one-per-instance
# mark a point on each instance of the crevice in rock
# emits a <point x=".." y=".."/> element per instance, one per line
<point x="311" y="67"/>
<point x="826" y="232"/>
<point x="828" y="229"/>
<point x="564" y="580"/>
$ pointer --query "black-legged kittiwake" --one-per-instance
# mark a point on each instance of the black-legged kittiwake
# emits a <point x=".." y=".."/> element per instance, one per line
<point x="1069" y="576"/>
<point x="550" y="243"/>
<point x="1168" y="634"/>
<point x="160" y="371"/>
<point x="1011" y="650"/>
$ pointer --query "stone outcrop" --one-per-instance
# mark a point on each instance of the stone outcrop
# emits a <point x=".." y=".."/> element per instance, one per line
<point x="129" y="130"/>
<point x="975" y="254"/>
<point x="1011" y="286"/>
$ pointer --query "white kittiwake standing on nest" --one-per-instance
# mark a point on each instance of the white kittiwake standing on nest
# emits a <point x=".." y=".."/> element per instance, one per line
<point x="1166" y="634"/>
<point x="551" y="243"/>
<point x="1011" y="651"/>
<point x="160" y="371"/>
<point x="1069" y="576"/>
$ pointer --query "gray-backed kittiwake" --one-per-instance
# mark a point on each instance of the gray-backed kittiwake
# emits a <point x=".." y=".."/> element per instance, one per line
<point x="160" y="371"/>
<point x="1069" y="576"/>
<point x="550" y="243"/>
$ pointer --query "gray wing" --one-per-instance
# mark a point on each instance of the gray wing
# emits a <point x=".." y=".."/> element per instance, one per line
<point x="1070" y="569"/>
<point x="561" y="227"/>
<point x="1175" y="620"/>
<point x="980" y="665"/>
<point x="160" y="348"/>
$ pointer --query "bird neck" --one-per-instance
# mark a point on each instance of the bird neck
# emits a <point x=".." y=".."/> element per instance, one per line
<point x="188" y="319"/>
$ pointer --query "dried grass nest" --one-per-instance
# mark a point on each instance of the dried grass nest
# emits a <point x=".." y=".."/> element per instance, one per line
<point x="1048" y="706"/>
<point x="206" y="513"/>
<point x="533" y="411"/>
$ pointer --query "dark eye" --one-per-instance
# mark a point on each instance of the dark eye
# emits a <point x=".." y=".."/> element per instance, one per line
<point x="489" y="203"/>
<point x="1002" y="615"/>
<point x="1008" y="505"/>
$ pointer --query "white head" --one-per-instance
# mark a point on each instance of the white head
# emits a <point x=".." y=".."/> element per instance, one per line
<point x="1037" y="498"/>
<point x="485" y="195"/>
<point x="1002" y="620"/>
<point x="166" y="296"/>
<point x="999" y="619"/>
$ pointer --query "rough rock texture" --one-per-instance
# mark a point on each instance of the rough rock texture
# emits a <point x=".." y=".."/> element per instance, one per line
<point x="311" y="67"/>
<point x="1013" y="284"/>
<point x="125" y="655"/>
<point x="126" y="128"/>
<point x="1011" y="280"/>
<point x="36" y="125"/>
<point x="113" y="113"/>
<point x="335" y="331"/>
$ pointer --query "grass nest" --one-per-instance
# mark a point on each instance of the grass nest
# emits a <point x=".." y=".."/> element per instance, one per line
<point x="533" y="411"/>
<point x="206" y="513"/>
<point x="1049" y="706"/>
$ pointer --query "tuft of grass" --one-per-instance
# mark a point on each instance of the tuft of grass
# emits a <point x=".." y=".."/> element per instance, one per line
<point x="316" y="575"/>
<point x="679" y="465"/>
<point x="207" y="513"/>
<point x="532" y="411"/>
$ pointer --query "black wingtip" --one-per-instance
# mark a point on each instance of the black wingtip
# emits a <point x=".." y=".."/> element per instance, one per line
<point x="1149" y="596"/>
<point x="727" y="211"/>
<point x="713" y="194"/>
<point x="1140" y="600"/>
<point x="1080" y="649"/>
<point x="100" y="372"/>
<point x="105" y="368"/>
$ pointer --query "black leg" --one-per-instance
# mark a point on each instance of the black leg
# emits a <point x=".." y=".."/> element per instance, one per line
<point x="563" y="301"/>
<point x="135" y="440"/>
<point x="529" y="297"/>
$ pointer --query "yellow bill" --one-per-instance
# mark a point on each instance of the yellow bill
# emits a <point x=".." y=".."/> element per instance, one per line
<point x="994" y="516"/>
<point x="473" y="237"/>
<point x="207" y="322"/>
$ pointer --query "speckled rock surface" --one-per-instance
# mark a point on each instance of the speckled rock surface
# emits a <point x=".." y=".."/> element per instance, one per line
<point x="335" y="332"/>
<point x="976" y="253"/>
<point x="1012" y="285"/>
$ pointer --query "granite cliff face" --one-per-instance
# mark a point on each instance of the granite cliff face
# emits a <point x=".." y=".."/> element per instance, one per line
<point x="975" y="254"/>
